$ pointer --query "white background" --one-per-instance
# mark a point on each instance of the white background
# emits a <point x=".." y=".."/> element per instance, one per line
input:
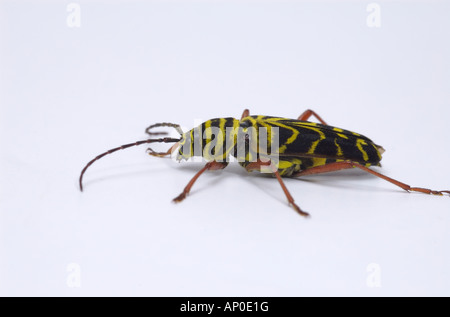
<point x="69" y="93"/>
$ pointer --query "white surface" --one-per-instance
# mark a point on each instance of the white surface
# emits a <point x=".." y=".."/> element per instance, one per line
<point x="68" y="94"/>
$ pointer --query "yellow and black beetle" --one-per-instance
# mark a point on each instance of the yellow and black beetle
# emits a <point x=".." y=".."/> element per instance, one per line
<point x="283" y="147"/>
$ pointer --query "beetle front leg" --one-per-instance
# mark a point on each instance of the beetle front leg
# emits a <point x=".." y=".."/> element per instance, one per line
<point x="212" y="166"/>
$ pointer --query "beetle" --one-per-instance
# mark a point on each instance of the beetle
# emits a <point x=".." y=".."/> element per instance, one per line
<point x="296" y="148"/>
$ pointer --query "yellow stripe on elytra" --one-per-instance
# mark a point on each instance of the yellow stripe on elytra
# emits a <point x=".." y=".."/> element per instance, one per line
<point x="275" y="122"/>
<point x="307" y="125"/>
<point x="359" y="144"/>
<point x="303" y="123"/>
<point x="263" y="122"/>
<point x="315" y="143"/>
<point x="293" y="137"/>
<point x="378" y="152"/>
<point x="311" y="126"/>
<point x="339" y="149"/>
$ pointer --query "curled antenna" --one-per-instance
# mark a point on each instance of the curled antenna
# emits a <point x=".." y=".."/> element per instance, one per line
<point x="122" y="147"/>
<point x="163" y="124"/>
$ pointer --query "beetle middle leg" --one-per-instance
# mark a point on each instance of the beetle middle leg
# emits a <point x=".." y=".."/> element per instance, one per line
<point x="212" y="166"/>
<point x="257" y="166"/>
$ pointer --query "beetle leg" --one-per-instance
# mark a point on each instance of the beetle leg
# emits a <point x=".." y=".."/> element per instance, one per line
<point x="213" y="166"/>
<point x="246" y="113"/>
<point x="349" y="164"/>
<point x="330" y="167"/>
<point x="162" y="154"/>
<point x="308" y="113"/>
<point x="257" y="165"/>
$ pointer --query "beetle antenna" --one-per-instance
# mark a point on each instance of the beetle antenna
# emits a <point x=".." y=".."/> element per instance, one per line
<point x="163" y="124"/>
<point x="122" y="147"/>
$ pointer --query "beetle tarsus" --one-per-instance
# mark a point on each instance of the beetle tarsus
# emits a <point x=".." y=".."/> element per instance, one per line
<point x="301" y="212"/>
<point x="179" y="198"/>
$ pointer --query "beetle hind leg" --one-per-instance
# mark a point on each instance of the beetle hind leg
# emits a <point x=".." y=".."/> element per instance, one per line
<point x="308" y="113"/>
<point x="336" y="166"/>
<point x="246" y="113"/>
